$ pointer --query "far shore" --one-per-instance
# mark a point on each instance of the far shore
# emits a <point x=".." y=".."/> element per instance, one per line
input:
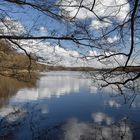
<point x="24" y="72"/>
<point x="62" y="68"/>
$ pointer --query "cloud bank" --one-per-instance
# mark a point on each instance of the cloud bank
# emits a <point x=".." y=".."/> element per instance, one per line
<point x="109" y="10"/>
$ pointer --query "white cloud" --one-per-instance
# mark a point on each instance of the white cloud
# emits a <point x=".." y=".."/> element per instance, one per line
<point x="11" y="27"/>
<point x="100" y="24"/>
<point x="93" y="53"/>
<point x="54" y="54"/>
<point x="117" y="9"/>
<point x="112" y="39"/>
<point x="57" y="55"/>
<point x="103" y="8"/>
<point x="72" y="10"/>
<point x="105" y="60"/>
<point x="43" y="30"/>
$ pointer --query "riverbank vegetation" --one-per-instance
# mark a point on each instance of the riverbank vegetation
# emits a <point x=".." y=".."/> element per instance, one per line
<point x="17" y="64"/>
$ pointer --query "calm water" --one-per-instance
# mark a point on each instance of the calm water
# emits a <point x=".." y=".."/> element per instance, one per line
<point x="65" y="106"/>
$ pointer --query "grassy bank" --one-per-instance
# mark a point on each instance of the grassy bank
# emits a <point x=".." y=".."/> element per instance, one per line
<point x="16" y="64"/>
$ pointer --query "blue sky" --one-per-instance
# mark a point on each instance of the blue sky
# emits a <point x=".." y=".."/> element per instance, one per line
<point x="44" y="25"/>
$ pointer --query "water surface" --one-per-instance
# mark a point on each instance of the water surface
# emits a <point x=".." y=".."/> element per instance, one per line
<point x="65" y="106"/>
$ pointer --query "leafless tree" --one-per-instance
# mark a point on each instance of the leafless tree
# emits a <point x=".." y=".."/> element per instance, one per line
<point x="110" y="27"/>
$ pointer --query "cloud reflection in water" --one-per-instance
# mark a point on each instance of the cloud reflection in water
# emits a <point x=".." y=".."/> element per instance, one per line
<point x="76" y="130"/>
<point x="54" y="85"/>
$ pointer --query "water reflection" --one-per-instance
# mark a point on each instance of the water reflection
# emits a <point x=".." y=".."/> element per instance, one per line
<point x="54" y="85"/>
<point x="113" y="103"/>
<point x="63" y="106"/>
<point x="9" y="87"/>
<point x="76" y="130"/>
<point x="100" y="117"/>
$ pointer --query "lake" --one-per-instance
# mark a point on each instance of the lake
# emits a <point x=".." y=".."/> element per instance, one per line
<point x="65" y="106"/>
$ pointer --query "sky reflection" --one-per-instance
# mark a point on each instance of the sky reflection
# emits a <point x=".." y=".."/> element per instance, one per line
<point x="53" y="85"/>
<point x="67" y="98"/>
<point x="77" y="130"/>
